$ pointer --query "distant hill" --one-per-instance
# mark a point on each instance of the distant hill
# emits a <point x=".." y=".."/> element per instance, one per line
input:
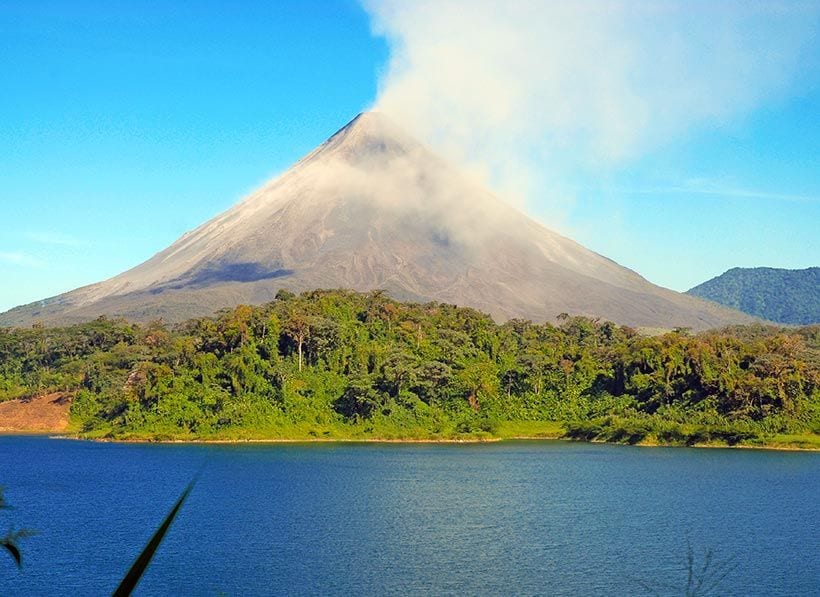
<point x="781" y="295"/>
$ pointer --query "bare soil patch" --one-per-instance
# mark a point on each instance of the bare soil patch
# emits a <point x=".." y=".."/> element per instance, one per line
<point x="40" y="414"/>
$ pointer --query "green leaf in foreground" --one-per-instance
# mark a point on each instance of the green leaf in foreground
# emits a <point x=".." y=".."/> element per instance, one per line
<point x="10" y="541"/>
<point x="12" y="549"/>
<point x="132" y="578"/>
<point x="10" y="544"/>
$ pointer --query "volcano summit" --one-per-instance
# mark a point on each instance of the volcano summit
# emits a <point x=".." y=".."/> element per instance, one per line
<point x="372" y="208"/>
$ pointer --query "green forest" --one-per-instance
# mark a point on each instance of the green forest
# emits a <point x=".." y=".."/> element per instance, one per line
<point x="338" y="364"/>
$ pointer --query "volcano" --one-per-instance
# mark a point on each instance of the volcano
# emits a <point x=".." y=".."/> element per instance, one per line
<point x="372" y="208"/>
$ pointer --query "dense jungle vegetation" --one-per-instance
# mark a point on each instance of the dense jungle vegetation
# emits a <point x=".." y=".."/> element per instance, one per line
<point x="340" y="364"/>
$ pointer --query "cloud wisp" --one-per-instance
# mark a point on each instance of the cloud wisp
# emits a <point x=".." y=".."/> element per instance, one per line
<point x="56" y="239"/>
<point x="20" y="258"/>
<point x="717" y="191"/>
<point x="530" y="94"/>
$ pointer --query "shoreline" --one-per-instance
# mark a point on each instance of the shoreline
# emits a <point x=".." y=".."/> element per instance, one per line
<point x="445" y="441"/>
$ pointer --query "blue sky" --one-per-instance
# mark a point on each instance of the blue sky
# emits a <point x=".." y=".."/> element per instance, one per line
<point x="741" y="195"/>
<point x="124" y="124"/>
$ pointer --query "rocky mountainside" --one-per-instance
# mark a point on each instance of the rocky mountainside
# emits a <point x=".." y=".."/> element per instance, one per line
<point x="372" y="208"/>
<point x="781" y="295"/>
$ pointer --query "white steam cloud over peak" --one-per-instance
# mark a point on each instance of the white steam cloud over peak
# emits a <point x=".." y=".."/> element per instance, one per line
<point x="528" y="93"/>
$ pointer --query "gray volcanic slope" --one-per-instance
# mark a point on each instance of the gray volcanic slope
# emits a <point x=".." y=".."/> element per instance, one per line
<point x="372" y="208"/>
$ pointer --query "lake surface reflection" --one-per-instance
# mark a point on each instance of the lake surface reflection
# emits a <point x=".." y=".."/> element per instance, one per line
<point x="552" y="518"/>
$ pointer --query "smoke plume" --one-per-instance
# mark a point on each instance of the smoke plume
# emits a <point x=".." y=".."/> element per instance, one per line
<point x="530" y="94"/>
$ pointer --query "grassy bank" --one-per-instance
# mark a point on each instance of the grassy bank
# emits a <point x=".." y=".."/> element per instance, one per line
<point x="620" y="433"/>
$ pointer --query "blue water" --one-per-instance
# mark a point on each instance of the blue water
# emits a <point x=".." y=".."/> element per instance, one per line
<point x="550" y="518"/>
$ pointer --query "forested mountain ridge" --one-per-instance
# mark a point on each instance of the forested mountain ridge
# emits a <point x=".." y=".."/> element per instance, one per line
<point x="341" y="364"/>
<point x="779" y="295"/>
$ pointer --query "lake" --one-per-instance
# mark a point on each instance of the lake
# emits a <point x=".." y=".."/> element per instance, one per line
<point x="549" y="518"/>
